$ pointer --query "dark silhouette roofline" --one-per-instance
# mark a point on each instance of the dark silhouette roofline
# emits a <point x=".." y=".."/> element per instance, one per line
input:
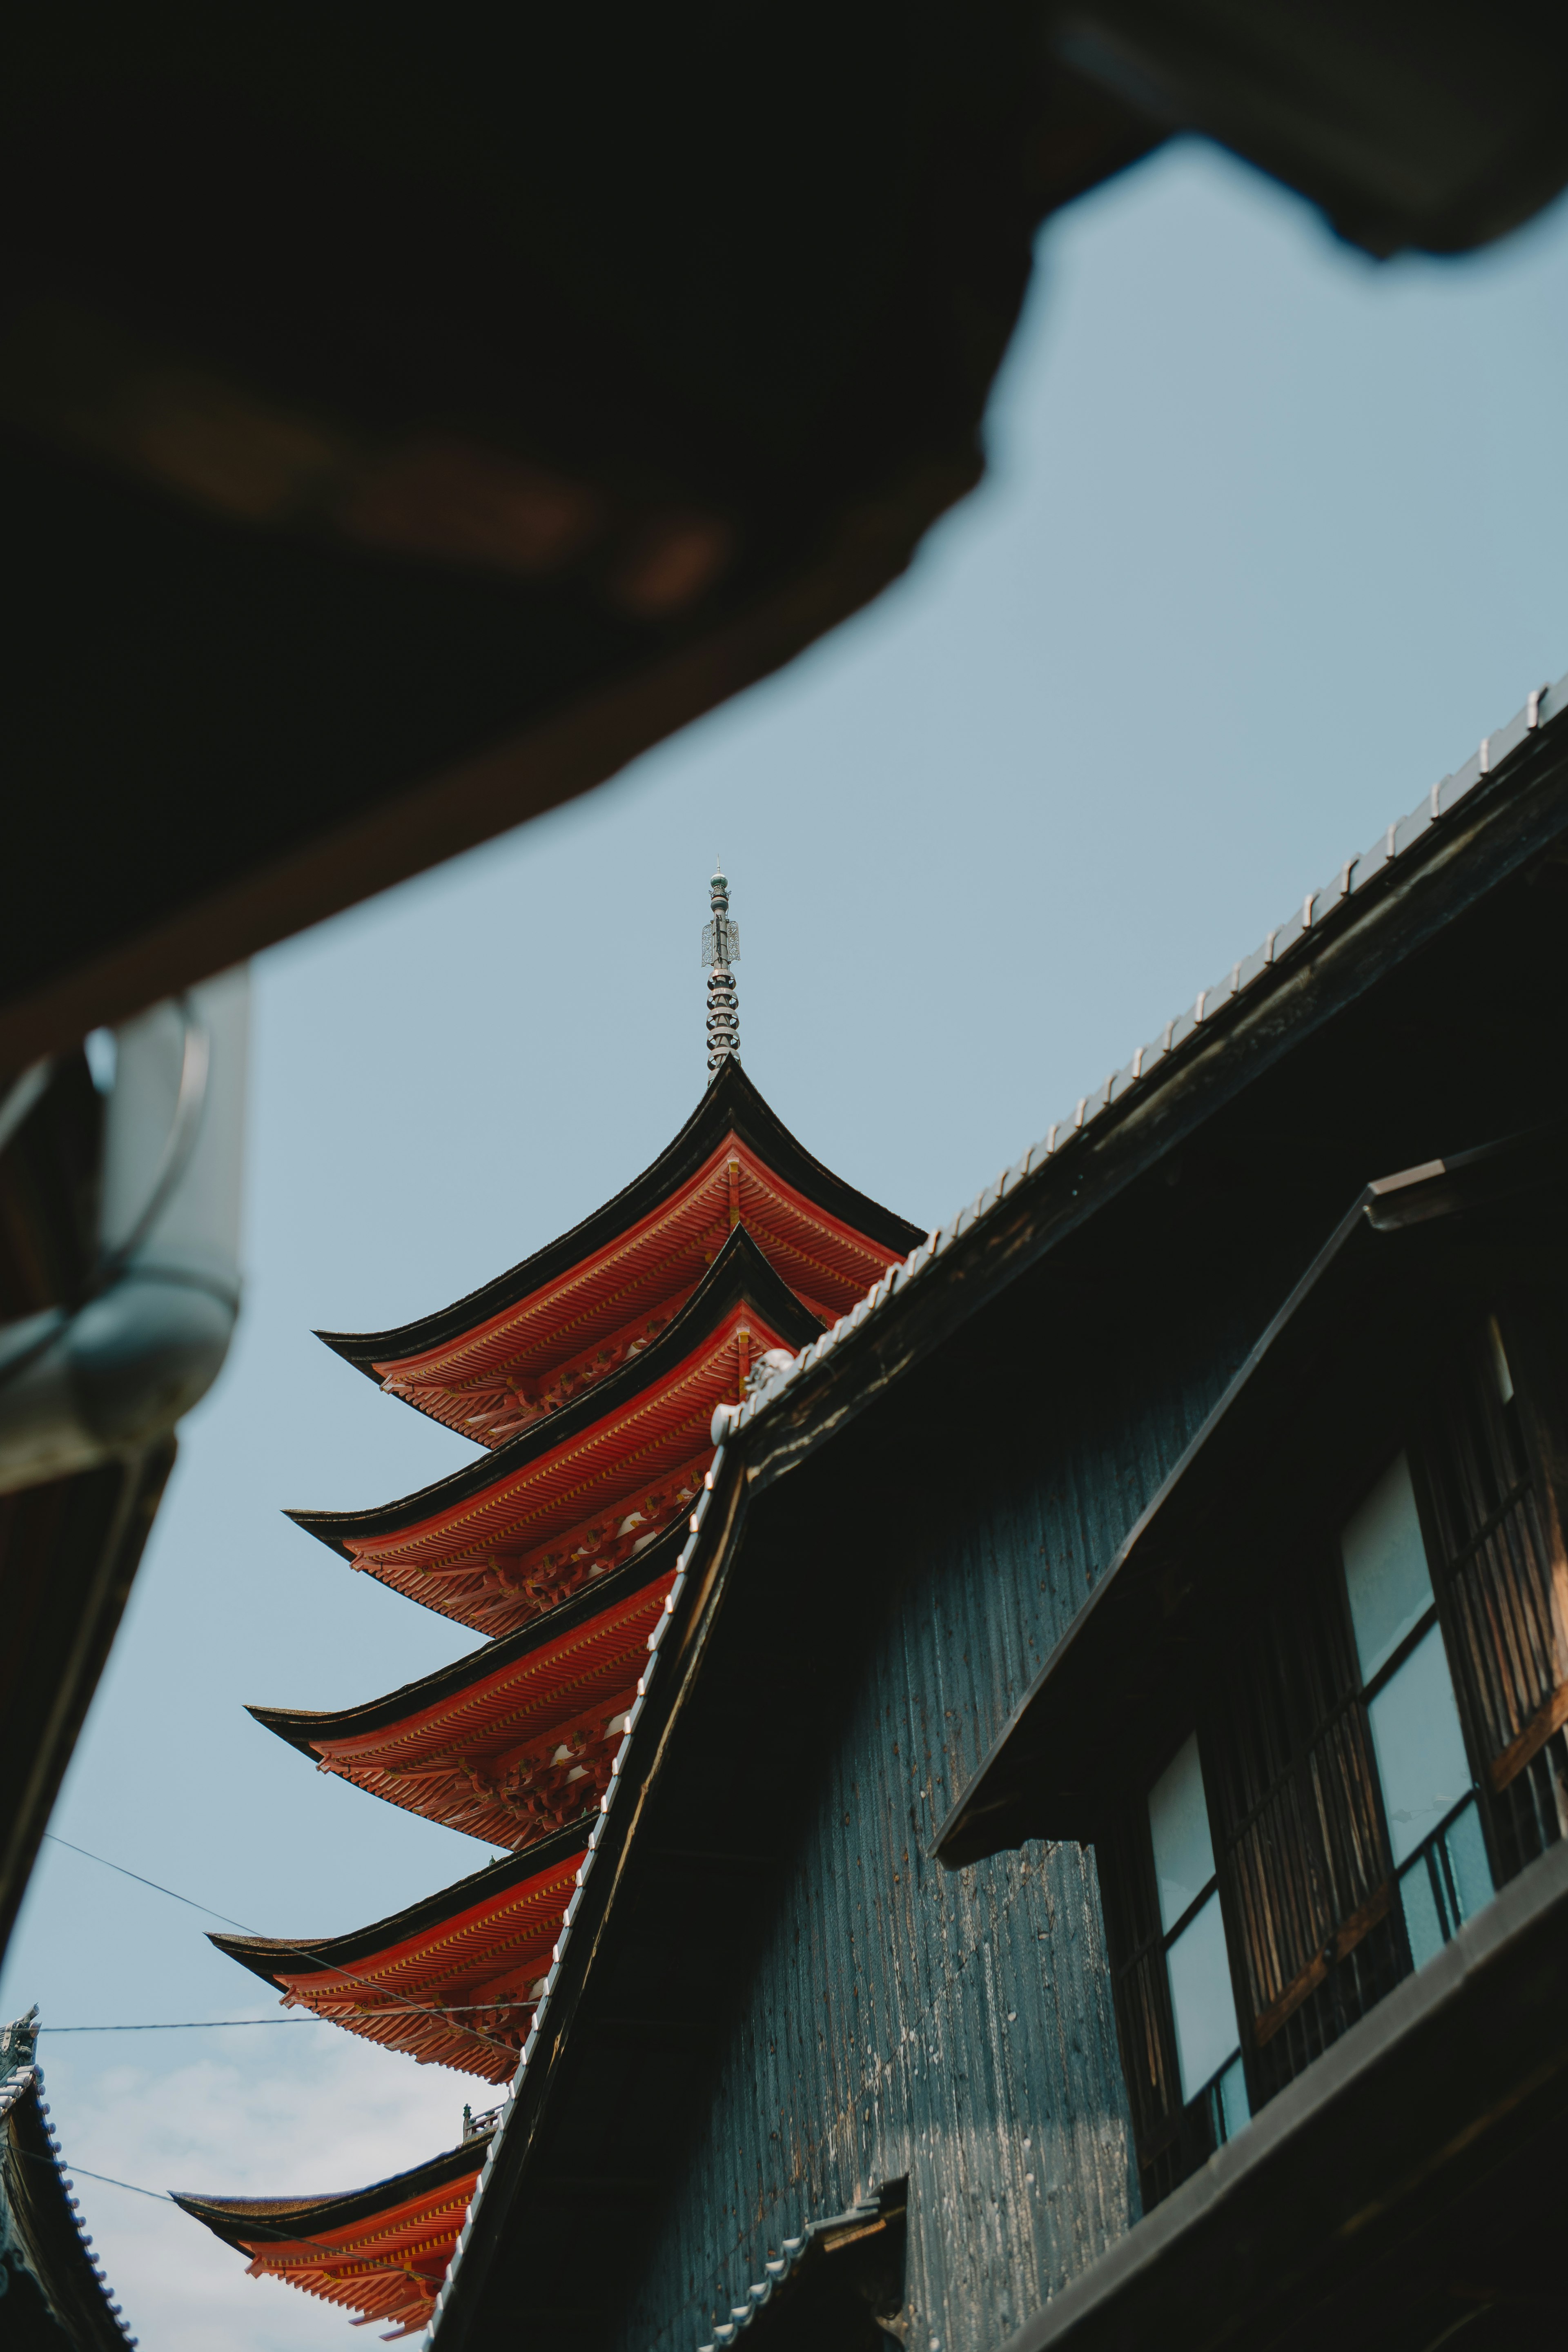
<point x="730" y="1103"/>
<point x="739" y="1273"/>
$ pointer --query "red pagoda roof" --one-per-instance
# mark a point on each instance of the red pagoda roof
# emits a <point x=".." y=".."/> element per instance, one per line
<point x="453" y="1980"/>
<point x="382" y="2251"/>
<point x="516" y="1739"/>
<point x="575" y="1496"/>
<point x="531" y="1342"/>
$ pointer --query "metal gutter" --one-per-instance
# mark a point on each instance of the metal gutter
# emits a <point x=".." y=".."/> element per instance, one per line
<point x="106" y="1374"/>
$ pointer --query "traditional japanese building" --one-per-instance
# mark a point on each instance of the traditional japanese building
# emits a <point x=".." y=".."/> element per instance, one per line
<point x="54" y="2296"/>
<point x="1085" y="1863"/>
<point x="1132" y="1907"/>
<point x="590" y="1374"/>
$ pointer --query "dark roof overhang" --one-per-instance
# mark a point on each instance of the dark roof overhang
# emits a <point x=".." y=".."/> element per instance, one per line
<point x="739" y="1274"/>
<point x="837" y="2287"/>
<point x="302" y="1726"/>
<point x="1355" y="1332"/>
<point x="1409" y="2182"/>
<point x="271" y="1956"/>
<point x="730" y="1103"/>
<point x="421" y="474"/>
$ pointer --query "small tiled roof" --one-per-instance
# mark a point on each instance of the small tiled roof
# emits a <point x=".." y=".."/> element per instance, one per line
<point x="43" y="2245"/>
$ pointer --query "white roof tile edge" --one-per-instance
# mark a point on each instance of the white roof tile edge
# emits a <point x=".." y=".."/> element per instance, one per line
<point x="29" y="2077"/>
<point x="1543" y="708"/>
<point x="654" y="1641"/>
<point x="776" y="2271"/>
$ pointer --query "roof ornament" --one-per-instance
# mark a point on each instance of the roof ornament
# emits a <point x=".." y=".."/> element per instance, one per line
<point x="721" y="949"/>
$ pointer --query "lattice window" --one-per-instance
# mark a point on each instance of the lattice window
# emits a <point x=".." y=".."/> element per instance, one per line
<point x="1380" y="1744"/>
<point x="1505" y="1605"/>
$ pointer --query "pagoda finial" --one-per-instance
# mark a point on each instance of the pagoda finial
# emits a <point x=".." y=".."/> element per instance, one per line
<point x="721" y="949"/>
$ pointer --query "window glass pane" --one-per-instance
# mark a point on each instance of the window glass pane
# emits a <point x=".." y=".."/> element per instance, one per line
<point x="1201" y="1999"/>
<point x="1472" y="1872"/>
<point x="1419" y="1746"/>
<point x="1179" y="1822"/>
<point x="1423" y="1920"/>
<point x="1389" y="1584"/>
<point x="1234" y="2105"/>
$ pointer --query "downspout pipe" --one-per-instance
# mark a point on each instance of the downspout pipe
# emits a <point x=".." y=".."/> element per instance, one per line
<point x="107" y="1372"/>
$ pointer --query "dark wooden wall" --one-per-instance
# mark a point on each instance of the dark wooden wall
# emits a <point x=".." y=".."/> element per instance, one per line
<point x="896" y="2019"/>
<point x="900" y="2018"/>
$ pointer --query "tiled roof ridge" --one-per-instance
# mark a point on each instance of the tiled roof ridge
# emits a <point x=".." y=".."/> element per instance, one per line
<point x="1545" y="706"/>
<point x="776" y="2269"/>
<point x="29" y="2077"/>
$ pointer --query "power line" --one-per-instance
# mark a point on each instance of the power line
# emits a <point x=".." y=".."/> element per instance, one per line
<point x="206" y="2024"/>
<point x="306" y="1952"/>
<point x="253" y="2223"/>
<point x="189" y="1901"/>
<point x="183" y="2025"/>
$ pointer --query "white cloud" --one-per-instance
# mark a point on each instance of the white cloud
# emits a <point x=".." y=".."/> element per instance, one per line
<point x="319" y="2114"/>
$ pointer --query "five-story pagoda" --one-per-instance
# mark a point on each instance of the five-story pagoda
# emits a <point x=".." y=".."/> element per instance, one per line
<point x="590" y="1372"/>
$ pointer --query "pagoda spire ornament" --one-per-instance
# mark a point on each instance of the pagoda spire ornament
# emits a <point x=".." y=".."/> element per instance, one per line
<point x="721" y="949"/>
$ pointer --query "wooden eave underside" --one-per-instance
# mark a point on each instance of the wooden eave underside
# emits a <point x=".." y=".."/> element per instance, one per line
<point x="378" y="2252"/>
<point x="362" y="1948"/>
<point x="450" y="1754"/>
<point x="645" y="1246"/>
<point x="479" y="1949"/>
<point x="452" y="1683"/>
<point x="472" y="1546"/>
<point x="334" y="2218"/>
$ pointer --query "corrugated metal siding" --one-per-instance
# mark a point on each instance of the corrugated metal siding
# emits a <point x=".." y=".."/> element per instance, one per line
<point x="955" y="2027"/>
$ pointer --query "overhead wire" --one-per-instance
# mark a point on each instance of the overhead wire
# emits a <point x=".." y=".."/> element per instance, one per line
<point x="67" y="2172"/>
<point x="204" y="2024"/>
<point x="308" y="1952"/>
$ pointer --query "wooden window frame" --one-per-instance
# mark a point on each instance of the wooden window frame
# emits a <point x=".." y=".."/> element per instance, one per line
<point x="1172" y="2139"/>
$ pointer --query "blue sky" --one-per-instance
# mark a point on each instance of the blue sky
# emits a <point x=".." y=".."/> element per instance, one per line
<point x="1270" y="539"/>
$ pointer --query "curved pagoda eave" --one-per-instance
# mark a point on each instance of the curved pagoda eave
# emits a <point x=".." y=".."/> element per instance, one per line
<point x="477" y="1745"/>
<point x="831" y="1243"/>
<point x="382" y="2251"/>
<point x="452" y="1980"/>
<point x="514" y="1532"/>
